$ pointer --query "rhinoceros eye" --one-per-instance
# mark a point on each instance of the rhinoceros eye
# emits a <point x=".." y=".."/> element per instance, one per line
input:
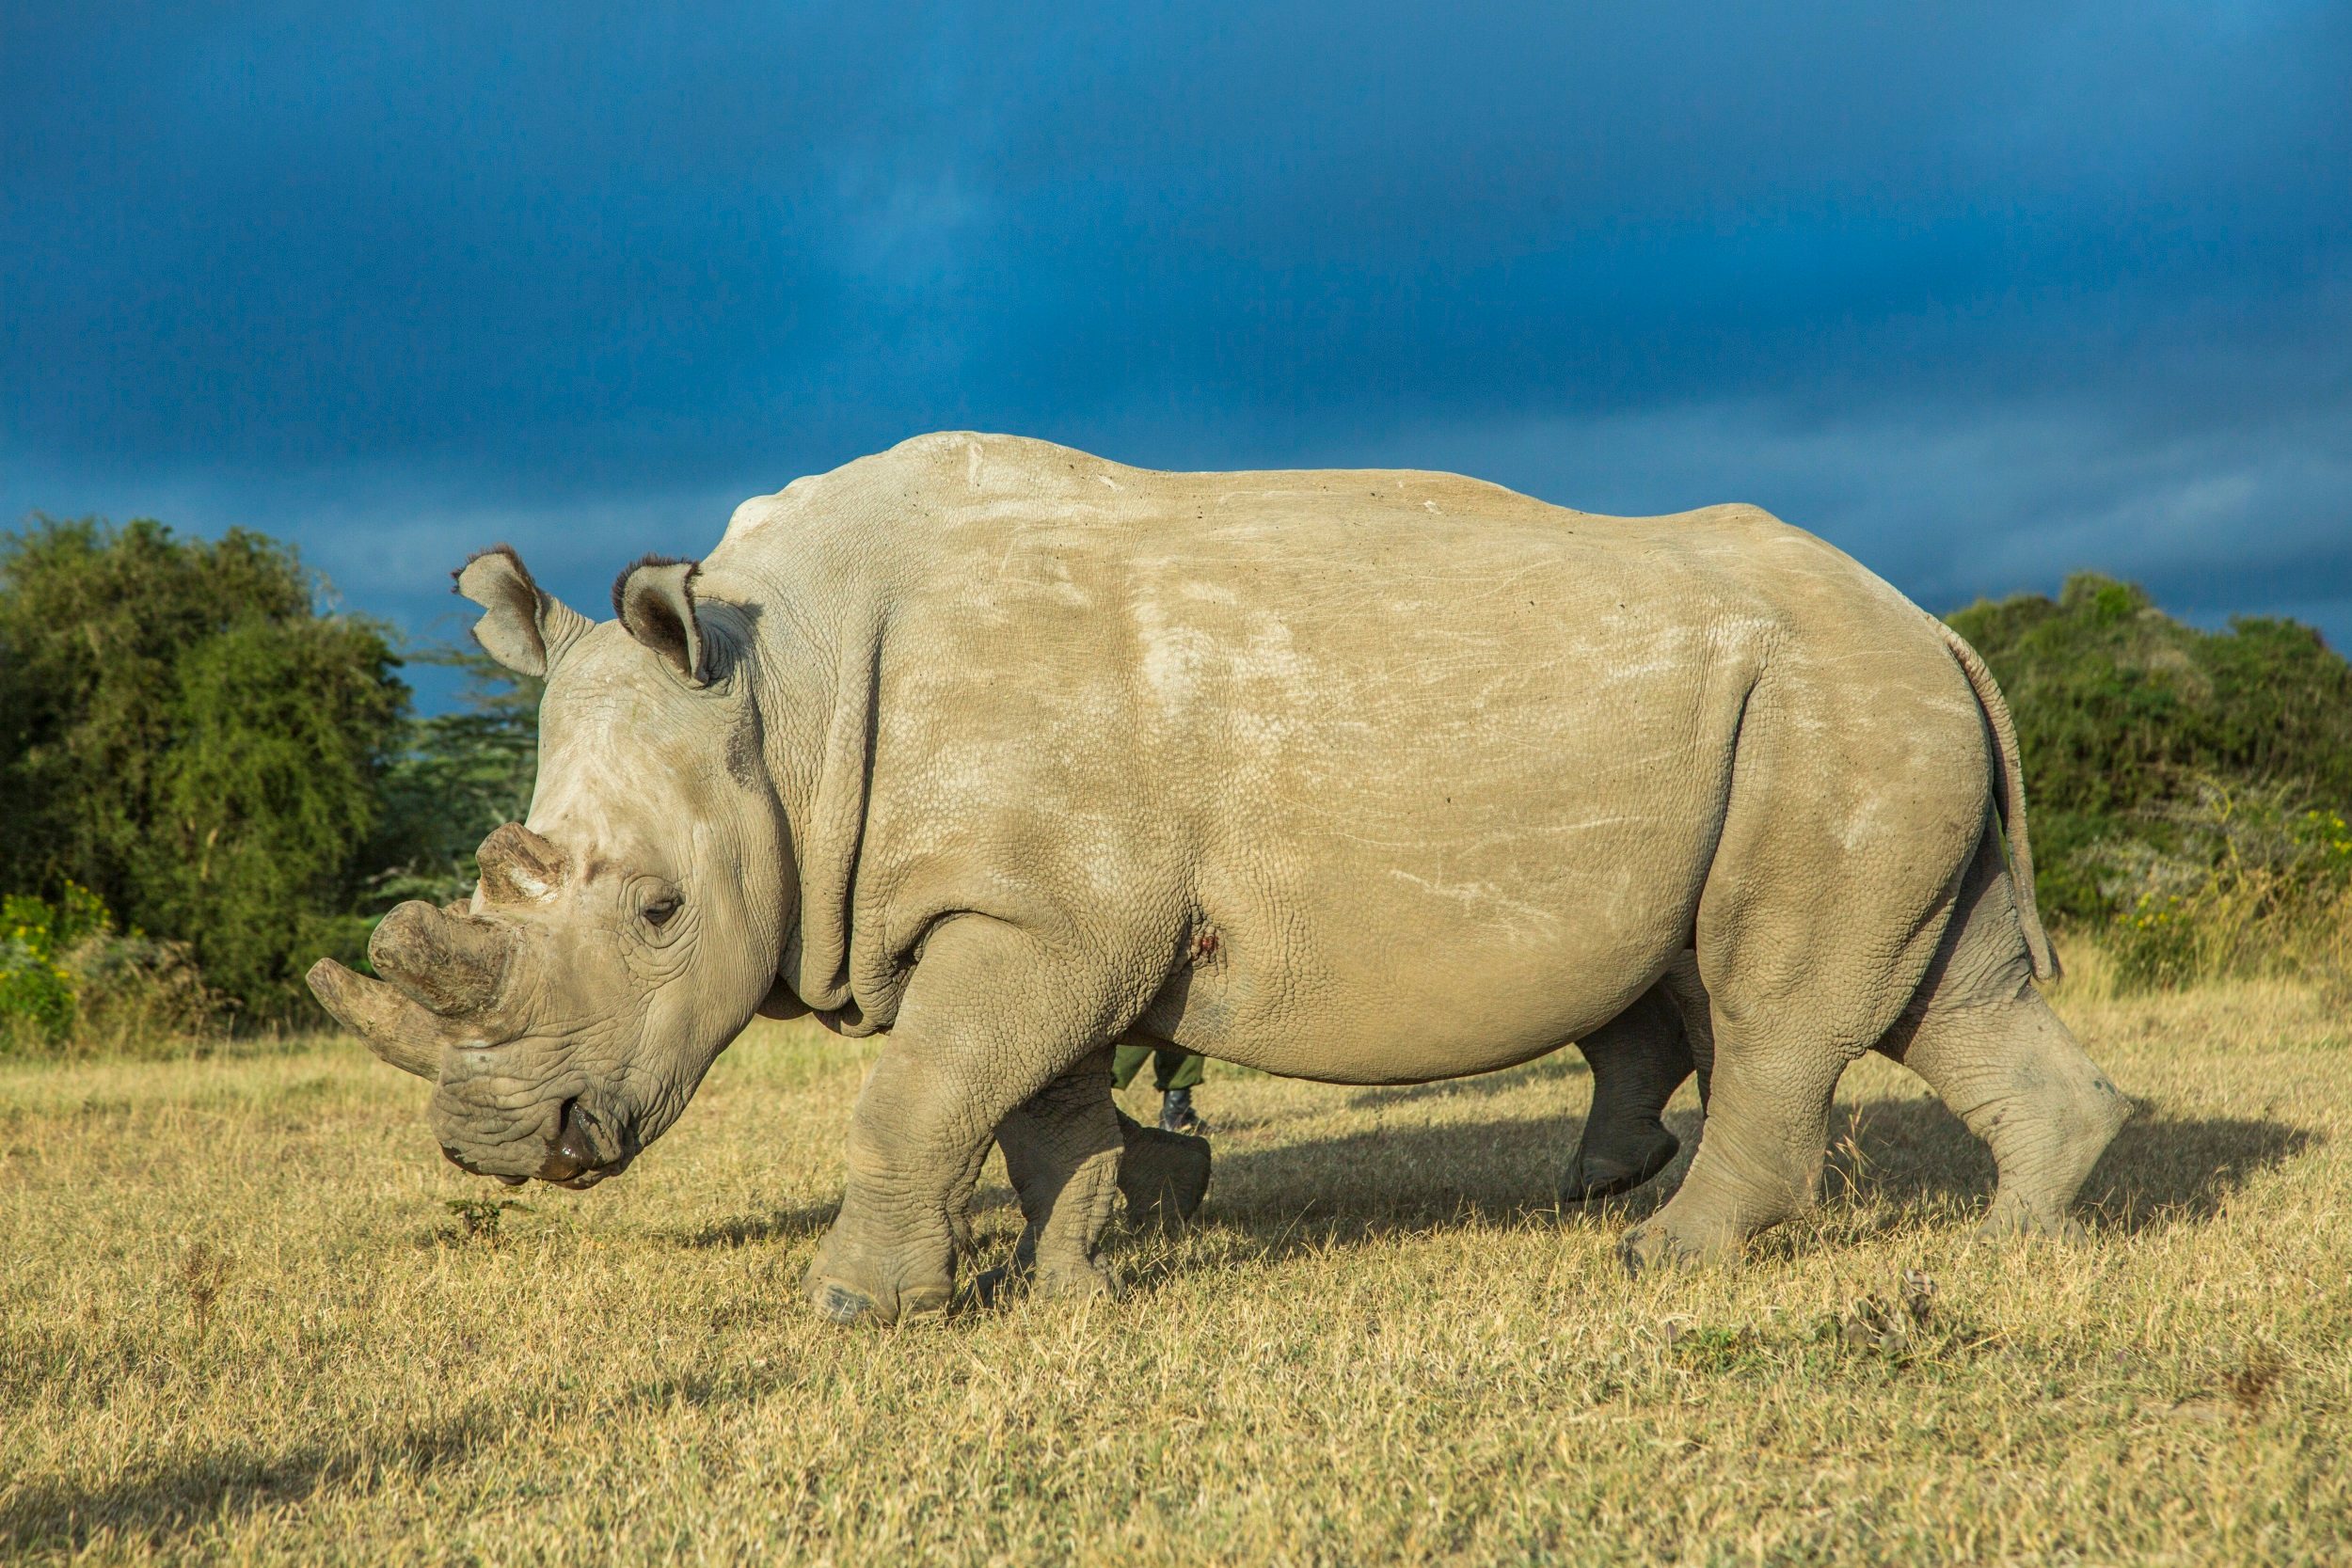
<point x="658" y="914"/>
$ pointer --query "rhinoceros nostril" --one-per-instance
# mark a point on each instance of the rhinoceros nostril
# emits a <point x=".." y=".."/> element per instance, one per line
<point x="568" y="1155"/>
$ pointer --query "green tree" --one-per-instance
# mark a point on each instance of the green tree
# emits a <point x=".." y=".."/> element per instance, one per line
<point x="188" y="731"/>
<point x="2125" y="713"/>
<point x="459" y="775"/>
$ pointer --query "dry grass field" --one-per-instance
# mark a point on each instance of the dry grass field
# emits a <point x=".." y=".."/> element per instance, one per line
<point x="241" y="1321"/>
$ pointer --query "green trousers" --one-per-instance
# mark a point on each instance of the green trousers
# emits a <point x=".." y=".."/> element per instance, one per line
<point x="1172" y="1066"/>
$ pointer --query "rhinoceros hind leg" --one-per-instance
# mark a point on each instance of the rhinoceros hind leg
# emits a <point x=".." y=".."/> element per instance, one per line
<point x="1812" y="942"/>
<point x="1164" y="1176"/>
<point x="1990" y="1048"/>
<point x="1758" y="1163"/>
<point x="2008" y="1221"/>
<point x="1612" y="1173"/>
<point x="1639" y="1059"/>
<point x="2015" y="1075"/>
<point x="1760" y="1157"/>
<point x="1658" y="1247"/>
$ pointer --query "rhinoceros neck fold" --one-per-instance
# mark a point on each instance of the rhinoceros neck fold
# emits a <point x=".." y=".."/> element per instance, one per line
<point x="819" y="641"/>
<point x="828" y="834"/>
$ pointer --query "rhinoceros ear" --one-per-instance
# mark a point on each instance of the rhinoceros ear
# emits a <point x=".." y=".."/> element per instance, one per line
<point x="525" y="627"/>
<point x="655" y="599"/>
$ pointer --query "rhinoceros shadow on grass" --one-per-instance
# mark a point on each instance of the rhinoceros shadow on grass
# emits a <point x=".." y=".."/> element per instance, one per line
<point x="199" y="1486"/>
<point x="1897" y="1155"/>
<point x="2164" y="1168"/>
<point x="1892" y="1155"/>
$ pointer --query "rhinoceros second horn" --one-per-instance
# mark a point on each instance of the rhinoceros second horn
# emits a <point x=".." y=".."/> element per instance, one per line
<point x="517" y="864"/>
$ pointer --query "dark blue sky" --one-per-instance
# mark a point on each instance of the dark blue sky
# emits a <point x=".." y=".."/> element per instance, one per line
<point x="1985" y="292"/>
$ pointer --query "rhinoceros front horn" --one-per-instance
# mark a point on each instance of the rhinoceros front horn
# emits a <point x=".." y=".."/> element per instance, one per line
<point x="450" y="963"/>
<point x="395" y="1028"/>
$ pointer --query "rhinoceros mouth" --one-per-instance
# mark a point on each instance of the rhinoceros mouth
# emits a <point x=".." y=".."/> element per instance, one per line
<point x="580" y="1153"/>
<point x="584" y="1150"/>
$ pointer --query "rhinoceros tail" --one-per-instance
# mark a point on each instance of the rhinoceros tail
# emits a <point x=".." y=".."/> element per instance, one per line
<point x="2012" y="800"/>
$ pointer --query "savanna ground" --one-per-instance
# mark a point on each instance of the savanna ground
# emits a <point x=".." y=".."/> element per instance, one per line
<point x="240" y="1320"/>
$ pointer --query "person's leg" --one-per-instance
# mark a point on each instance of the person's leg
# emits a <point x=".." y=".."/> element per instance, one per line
<point x="1165" y="1171"/>
<point x="1174" y="1067"/>
<point x="1176" y="1071"/>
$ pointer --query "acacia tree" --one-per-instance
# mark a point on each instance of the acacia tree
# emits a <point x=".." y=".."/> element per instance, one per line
<point x="188" y="730"/>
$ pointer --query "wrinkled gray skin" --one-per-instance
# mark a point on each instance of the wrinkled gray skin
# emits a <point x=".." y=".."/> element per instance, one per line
<point x="1365" y="777"/>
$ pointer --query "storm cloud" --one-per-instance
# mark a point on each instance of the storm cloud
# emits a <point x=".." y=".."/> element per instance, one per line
<point x="1986" y="293"/>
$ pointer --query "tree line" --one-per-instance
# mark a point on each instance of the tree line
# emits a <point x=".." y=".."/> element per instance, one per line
<point x="214" y="774"/>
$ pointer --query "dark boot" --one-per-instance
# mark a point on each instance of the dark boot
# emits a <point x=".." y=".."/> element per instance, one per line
<point x="1177" y="1114"/>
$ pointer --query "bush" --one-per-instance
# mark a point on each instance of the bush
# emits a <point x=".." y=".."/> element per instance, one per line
<point x="71" y="984"/>
<point x="2125" y="715"/>
<point x="2252" y="883"/>
<point x="187" y="731"/>
<point x="37" y="989"/>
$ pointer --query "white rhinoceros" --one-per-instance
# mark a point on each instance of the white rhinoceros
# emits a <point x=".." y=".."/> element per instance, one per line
<point x="1365" y="777"/>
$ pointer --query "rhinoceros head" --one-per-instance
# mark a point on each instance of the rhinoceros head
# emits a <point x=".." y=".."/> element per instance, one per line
<point x="622" y="938"/>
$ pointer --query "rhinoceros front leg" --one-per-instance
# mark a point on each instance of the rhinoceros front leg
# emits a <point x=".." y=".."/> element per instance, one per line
<point x="990" y="1018"/>
<point x="1054" y="1155"/>
<point x="1163" y="1175"/>
<point x="1062" y="1150"/>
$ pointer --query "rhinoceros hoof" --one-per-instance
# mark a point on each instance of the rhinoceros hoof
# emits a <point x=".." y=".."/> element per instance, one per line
<point x="2009" y="1222"/>
<point x="1598" y="1176"/>
<point x="999" y="1286"/>
<point x="1079" y="1280"/>
<point x="1164" y="1177"/>
<point x="1659" y="1246"/>
<point x="838" y="1302"/>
